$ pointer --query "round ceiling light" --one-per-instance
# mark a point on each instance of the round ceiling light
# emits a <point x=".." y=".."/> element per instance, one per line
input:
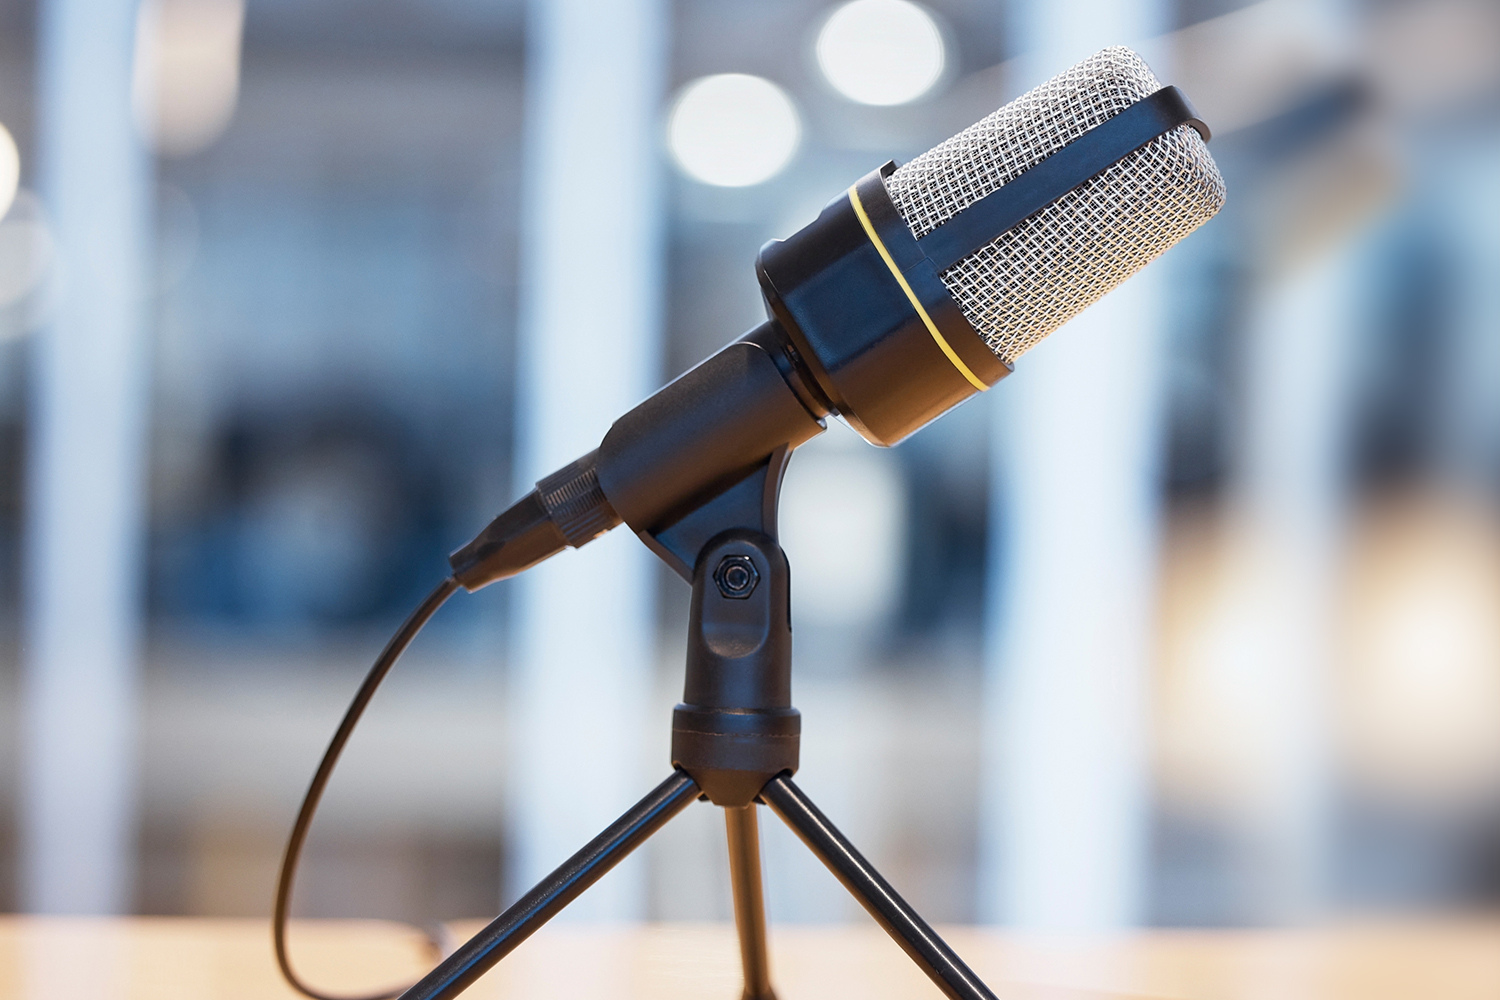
<point x="733" y="130"/>
<point x="881" y="51"/>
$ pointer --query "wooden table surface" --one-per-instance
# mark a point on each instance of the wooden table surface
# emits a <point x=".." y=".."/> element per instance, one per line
<point x="188" y="959"/>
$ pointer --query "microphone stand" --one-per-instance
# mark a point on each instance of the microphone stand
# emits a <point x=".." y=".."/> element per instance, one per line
<point x="735" y="743"/>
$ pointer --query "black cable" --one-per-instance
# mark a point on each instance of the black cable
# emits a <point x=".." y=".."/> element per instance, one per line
<point x="383" y="664"/>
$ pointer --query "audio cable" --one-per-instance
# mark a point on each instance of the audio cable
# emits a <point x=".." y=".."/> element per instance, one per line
<point x="381" y="667"/>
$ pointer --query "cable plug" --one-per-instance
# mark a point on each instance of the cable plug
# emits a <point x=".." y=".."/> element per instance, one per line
<point x="567" y="508"/>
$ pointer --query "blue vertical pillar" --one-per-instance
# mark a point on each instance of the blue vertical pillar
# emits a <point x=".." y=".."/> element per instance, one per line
<point x="1287" y="516"/>
<point x="1075" y="432"/>
<point x="85" y="469"/>
<point x="590" y="348"/>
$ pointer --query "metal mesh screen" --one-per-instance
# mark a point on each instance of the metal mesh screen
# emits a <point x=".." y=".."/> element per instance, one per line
<point x="1039" y="274"/>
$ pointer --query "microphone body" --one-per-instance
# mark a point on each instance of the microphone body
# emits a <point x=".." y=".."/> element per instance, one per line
<point x="911" y="292"/>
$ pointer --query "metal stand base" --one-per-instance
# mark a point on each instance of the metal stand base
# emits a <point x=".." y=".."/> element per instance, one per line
<point x="749" y="902"/>
<point x="505" y="933"/>
<point x="920" y="942"/>
<point x="485" y="949"/>
<point x="735" y="740"/>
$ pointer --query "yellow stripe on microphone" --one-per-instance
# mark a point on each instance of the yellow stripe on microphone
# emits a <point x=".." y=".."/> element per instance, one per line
<point x="864" y="220"/>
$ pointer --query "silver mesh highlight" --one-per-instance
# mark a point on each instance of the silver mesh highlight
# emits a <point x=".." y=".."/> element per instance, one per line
<point x="1039" y="274"/>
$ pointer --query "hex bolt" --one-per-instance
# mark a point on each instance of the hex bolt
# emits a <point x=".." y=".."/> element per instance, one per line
<point x="736" y="577"/>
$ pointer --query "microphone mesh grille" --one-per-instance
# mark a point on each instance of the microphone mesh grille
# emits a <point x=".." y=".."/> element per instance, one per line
<point x="1037" y="275"/>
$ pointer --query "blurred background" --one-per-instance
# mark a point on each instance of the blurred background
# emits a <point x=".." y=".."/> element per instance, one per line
<point x="1195" y="620"/>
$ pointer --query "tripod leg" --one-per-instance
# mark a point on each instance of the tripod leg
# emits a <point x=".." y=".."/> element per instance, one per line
<point x="458" y="971"/>
<point x="900" y="921"/>
<point x="749" y="903"/>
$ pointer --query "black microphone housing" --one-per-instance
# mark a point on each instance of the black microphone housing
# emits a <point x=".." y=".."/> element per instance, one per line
<point x="861" y="325"/>
<point x="710" y="429"/>
<point x="865" y="310"/>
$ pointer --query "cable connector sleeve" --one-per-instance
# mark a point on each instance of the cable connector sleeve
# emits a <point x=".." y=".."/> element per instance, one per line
<point x="576" y="503"/>
<point x="567" y="508"/>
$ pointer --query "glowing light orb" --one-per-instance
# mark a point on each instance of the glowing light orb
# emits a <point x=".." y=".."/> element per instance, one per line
<point x="733" y="130"/>
<point x="881" y="51"/>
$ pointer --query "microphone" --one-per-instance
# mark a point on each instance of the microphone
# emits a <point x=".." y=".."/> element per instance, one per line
<point x="915" y="289"/>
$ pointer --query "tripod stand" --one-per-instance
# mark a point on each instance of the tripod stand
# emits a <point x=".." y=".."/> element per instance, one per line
<point x="734" y="742"/>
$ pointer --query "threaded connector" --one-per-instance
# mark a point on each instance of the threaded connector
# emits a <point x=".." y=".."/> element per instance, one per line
<point x="567" y="508"/>
<point x="575" y="502"/>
